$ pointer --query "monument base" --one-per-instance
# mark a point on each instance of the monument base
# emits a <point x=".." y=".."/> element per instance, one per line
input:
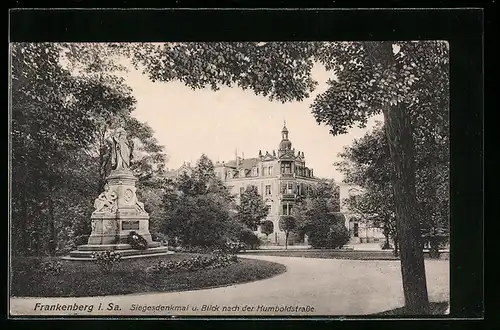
<point x="84" y="252"/>
<point x="117" y="214"/>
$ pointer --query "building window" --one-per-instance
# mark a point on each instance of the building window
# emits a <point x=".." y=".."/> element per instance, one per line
<point x="287" y="209"/>
<point x="270" y="170"/>
<point x="268" y="190"/>
<point x="268" y="209"/>
<point x="355" y="230"/>
<point x="287" y="188"/>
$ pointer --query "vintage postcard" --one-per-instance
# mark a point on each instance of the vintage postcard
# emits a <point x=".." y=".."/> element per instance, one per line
<point x="230" y="178"/>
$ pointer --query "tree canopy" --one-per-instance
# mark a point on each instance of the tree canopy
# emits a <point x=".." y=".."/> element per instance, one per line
<point x="251" y="209"/>
<point x="60" y="117"/>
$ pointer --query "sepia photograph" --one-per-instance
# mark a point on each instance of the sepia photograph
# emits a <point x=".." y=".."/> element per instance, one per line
<point x="230" y="178"/>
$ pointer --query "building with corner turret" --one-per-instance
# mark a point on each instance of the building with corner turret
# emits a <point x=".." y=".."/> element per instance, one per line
<point x="280" y="178"/>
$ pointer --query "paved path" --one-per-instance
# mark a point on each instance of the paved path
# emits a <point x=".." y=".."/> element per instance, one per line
<point x="316" y="286"/>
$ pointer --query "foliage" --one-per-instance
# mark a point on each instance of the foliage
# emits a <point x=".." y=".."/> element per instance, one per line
<point x="252" y="208"/>
<point x="249" y="238"/>
<point x="88" y="280"/>
<point x="367" y="163"/>
<point x="338" y="236"/>
<point x="318" y="201"/>
<point x="278" y="70"/>
<point x="50" y="267"/>
<point x="137" y="241"/>
<point x="287" y="224"/>
<point x="158" y="237"/>
<point x="106" y="260"/>
<point x="193" y="264"/>
<point x="233" y="247"/>
<point x="65" y="97"/>
<point x="328" y="230"/>
<point x="267" y="227"/>
<point x="198" y="208"/>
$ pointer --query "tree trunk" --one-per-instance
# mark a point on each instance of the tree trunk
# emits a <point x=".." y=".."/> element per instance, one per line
<point x="401" y="147"/>
<point x="286" y="240"/>
<point x="396" y="248"/>
<point x="398" y="131"/>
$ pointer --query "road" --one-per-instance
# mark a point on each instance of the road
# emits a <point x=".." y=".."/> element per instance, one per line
<point x="309" y="287"/>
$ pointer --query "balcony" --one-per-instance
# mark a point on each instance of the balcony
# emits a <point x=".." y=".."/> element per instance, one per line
<point x="287" y="175"/>
<point x="288" y="195"/>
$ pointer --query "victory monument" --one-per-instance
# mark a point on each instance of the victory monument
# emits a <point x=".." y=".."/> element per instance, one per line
<point x="117" y="210"/>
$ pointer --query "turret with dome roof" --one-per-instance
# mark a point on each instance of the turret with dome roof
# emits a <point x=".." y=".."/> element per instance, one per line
<point x="285" y="144"/>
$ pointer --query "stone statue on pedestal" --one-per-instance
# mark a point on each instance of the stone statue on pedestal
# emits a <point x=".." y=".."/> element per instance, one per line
<point x="121" y="150"/>
<point x="118" y="212"/>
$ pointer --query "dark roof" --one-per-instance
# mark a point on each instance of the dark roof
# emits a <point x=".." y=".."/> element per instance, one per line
<point x="244" y="163"/>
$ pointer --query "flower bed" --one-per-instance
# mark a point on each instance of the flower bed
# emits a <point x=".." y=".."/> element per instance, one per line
<point x="192" y="264"/>
<point x="83" y="278"/>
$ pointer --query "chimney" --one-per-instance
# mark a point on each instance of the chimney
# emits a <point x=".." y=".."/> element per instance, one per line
<point x="242" y="155"/>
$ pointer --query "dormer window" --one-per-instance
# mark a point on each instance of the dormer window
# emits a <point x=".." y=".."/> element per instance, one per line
<point x="255" y="171"/>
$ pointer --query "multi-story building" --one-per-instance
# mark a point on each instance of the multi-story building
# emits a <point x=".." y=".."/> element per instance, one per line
<point x="279" y="177"/>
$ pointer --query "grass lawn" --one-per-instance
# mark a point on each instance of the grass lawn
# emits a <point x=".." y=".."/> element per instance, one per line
<point x="435" y="308"/>
<point x="80" y="278"/>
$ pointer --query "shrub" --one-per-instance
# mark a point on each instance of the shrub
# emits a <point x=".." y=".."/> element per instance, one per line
<point x="338" y="236"/>
<point x="216" y="260"/>
<point x="105" y="260"/>
<point x="158" y="237"/>
<point x="81" y="240"/>
<point x="249" y="238"/>
<point x="233" y="247"/>
<point x="267" y="227"/>
<point x="137" y="241"/>
<point x="50" y="267"/>
<point x="329" y="238"/>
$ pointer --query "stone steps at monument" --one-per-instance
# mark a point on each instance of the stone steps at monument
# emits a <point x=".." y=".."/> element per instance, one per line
<point x="80" y="258"/>
<point x="113" y="247"/>
<point x="77" y="254"/>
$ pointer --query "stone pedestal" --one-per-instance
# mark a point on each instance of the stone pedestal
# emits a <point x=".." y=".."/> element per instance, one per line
<point x="117" y="213"/>
<point x="122" y="214"/>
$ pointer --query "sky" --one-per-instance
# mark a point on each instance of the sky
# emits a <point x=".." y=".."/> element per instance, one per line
<point x="189" y="123"/>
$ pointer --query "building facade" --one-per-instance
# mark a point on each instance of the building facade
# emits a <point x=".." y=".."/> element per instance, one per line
<point x="279" y="177"/>
<point x="361" y="231"/>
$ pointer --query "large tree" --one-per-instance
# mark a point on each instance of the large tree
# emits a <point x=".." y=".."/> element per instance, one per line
<point x="406" y="81"/>
<point x="51" y="125"/>
<point x="198" y="208"/>
<point x="251" y="209"/>
<point x="62" y="106"/>
<point x="367" y="163"/>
